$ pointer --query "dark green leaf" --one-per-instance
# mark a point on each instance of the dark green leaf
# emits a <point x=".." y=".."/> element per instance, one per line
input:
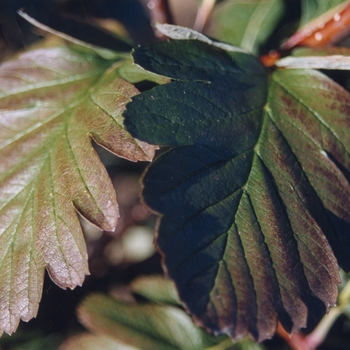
<point x="252" y="188"/>
<point x="215" y="82"/>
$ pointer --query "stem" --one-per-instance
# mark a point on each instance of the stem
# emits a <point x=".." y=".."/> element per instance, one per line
<point x="298" y="341"/>
<point x="164" y="4"/>
<point x="326" y="29"/>
<point x="318" y="335"/>
<point x="160" y="12"/>
<point x="203" y="14"/>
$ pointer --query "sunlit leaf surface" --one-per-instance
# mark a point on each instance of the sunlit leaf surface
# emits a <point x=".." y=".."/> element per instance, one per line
<point x="255" y="191"/>
<point x="53" y="101"/>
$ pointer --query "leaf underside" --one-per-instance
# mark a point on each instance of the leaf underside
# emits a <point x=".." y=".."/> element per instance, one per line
<point x="255" y="191"/>
<point x="53" y="101"/>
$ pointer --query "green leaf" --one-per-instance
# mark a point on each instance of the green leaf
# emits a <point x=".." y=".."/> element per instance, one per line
<point x="247" y="24"/>
<point x="257" y="180"/>
<point x="86" y="341"/>
<point x="311" y="9"/>
<point x="155" y="288"/>
<point x="135" y="74"/>
<point x="53" y="101"/>
<point x="145" y="326"/>
<point x="247" y="344"/>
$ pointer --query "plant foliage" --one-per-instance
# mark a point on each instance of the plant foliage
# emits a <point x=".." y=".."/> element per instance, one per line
<point x="253" y="190"/>
<point x="252" y="28"/>
<point x="53" y="101"/>
<point x="152" y="324"/>
<point x="255" y="183"/>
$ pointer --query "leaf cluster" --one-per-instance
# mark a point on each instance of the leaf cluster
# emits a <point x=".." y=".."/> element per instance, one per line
<point x="252" y="190"/>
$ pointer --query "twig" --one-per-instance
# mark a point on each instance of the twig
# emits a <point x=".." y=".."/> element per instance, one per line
<point x="203" y="14"/>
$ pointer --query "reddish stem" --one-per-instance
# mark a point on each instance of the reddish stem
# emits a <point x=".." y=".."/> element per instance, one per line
<point x="296" y="341"/>
<point x="327" y="29"/>
<point x="203" y="14"/>
<point x="160" y="12"/>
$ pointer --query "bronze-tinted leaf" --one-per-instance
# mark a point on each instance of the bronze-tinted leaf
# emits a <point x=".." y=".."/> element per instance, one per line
<point x="52" y="102"/>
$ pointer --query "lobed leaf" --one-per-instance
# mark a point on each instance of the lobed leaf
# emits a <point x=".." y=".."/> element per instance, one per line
<point x="53" y="101"/>
<point x="256" y="190"/>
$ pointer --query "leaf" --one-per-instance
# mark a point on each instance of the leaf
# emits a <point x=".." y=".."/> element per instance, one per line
<point x="135" y="74"/>
<point x="183" y="33"/>
<point x="326" y="58"/>
<point x="108" y="45"/>
<point x="323" y="23"/>
<point x="155" y="288"/>
<point x="247" y="344"/>
<point x="257" y="179"/>
<point x="318" y="133"/>
<point x="145" y="326"/>
<point x="52" y="102"/>
<point x="86" y="341"/>
<point x="321" y="52"/>
<point x="252" y="27"/>
<point x="311" y="9"/>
